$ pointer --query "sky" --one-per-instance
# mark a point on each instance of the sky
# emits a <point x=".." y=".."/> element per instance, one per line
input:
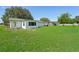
<point x="51" y="12"/>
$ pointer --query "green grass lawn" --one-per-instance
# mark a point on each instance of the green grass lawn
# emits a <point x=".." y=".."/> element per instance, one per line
<point x="50" y="39"/>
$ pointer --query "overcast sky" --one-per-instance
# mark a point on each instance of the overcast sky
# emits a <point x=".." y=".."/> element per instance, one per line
<point x="51" y="12"/>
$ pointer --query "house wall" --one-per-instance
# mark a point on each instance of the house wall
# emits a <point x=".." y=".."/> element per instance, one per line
<point x="15" y="24"/>
<point x="18" y="24"/>
<point x="11" y="24"/>
<point x="22" y="24"/>
<point x="51" y="24"/>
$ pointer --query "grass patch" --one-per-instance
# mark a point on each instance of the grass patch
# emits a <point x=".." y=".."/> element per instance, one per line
<point x="44" y="39"/>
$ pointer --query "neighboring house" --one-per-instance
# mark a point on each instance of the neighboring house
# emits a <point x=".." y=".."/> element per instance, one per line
<point x="51" y="23"/>
<point x="54" y="23"/>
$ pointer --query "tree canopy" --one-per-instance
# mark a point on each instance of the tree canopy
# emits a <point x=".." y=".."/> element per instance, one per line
<point x="65" y="18"/>
<point x="77" y="19"/>
<point x="44" y="19"/>
<point x="16" y="12"/>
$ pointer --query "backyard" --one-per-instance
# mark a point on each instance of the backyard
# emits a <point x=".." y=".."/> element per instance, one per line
<point x="44" y="39"/>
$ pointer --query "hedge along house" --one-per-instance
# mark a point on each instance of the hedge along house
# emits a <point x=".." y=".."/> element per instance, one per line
<point x="23" y="23"/>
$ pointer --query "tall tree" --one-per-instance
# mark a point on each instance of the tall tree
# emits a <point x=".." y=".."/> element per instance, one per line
<point x="16" y="12"/>
<point x="64" y="18"/>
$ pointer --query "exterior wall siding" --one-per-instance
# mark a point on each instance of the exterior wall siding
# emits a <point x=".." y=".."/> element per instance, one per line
<point x="11" y="24"/>
<point x="18" y="24"/>
<point x="15" y="24"/>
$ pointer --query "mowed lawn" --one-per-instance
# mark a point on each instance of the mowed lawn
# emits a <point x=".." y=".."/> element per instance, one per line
<point x="44" y="39"/>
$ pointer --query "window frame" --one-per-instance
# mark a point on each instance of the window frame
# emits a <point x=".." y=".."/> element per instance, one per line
<point x="32" y="23"/>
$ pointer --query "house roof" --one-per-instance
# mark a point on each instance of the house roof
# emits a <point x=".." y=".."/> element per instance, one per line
<point x="19" y="19"/>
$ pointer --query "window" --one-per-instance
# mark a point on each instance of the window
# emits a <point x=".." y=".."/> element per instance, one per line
<point x="32" y="23"/>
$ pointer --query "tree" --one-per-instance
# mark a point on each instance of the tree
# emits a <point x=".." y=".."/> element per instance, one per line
<point x="64" y="18"/>
<point x="73" y="20"/>
<point x="44" y="19"/>
<point x="77" y="19"/>
<point x="16" y="12"/>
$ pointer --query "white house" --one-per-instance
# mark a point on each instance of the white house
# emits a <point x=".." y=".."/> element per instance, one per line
<point x="23" y="23"/>
<point x="26" y="24"/>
